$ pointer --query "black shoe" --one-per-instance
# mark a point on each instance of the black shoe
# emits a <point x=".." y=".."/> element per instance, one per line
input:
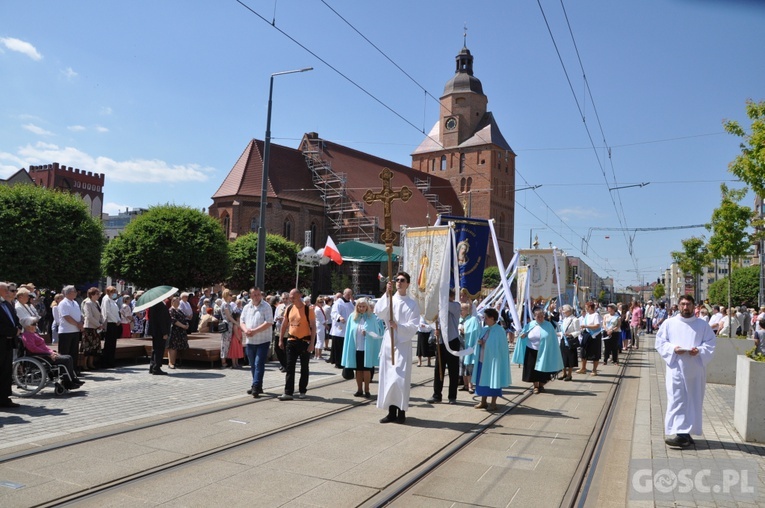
<point x="688" y="438"/>
<point x="249" y="391"/>
<point x="159" y="372"/>
<point x="388" y="419"/>
<point x="452" y="402"/>
<point x="677" y="441"/>
<point x="434" y="400"/>
<point x="367" y="395"/>
<point x="392" y="412"/>
<point x="358" y="394"/>
<point x="282" y="369"/>
<point x="401" y="418"/>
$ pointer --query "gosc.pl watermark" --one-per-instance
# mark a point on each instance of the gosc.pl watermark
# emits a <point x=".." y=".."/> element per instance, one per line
<point x="679" y="479"/>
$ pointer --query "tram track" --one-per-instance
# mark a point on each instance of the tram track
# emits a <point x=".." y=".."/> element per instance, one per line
<point x="386" y="496"/>
<point x="92" y="492"/>
<point x="576" y="493"/>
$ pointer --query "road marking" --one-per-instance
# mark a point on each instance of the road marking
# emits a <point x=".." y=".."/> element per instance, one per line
<point x="556" y="437"/>
<point x="484" y="474"/>
<point x="512" y="445"/>
<point x="238" y="421"/>
<point x="511" y="499"/>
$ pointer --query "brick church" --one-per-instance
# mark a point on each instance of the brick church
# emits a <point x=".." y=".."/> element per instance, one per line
<point x="463" y="167"/>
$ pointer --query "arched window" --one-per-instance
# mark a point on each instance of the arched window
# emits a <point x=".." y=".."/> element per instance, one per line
<point x="254" y="223"/>
<point x="469" y="183"/>
<point x="287" y="228"/>
<point x="443" y="163"/>
<point x="226" y="224"/>
<point x="462" y="162"/>
<point x="462" y="185"/>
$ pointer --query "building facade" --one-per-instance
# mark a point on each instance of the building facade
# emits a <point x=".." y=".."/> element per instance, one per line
<point x="466" y="147"/>
<point x="86" y="184"/>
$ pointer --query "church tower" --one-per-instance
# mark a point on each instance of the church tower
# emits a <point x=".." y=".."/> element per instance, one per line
<point x="466" y="147"/>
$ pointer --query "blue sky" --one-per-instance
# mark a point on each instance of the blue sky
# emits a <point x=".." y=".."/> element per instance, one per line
<point x="163" y="97"/>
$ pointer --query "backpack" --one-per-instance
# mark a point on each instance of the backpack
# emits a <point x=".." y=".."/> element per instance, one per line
<point x="305" y="308"/>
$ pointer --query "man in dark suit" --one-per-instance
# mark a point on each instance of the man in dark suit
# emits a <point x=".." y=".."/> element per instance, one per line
<point x="9" y="331"/>
<point x="159" y="329"/>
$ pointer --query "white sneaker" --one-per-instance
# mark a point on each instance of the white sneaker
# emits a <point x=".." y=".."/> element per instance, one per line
<point x="285" y="397"/>
<point x="301" y="396"/>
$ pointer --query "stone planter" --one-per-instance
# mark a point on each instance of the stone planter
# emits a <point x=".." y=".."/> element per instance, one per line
<point x="748" y="409"/>
<point x="722" y="369"/>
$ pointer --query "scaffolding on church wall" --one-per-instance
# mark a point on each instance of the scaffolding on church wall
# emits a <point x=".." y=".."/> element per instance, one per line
<point x="423" y="185"/>
<point x="348" y="219"/>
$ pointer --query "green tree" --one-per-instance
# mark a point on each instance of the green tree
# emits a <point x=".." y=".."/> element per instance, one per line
<point x="281" y="259"/>
<point x="169" y="244"/>
<point x="744" y="287"/>
<point x="692" y="259"/>
<point x="659" y="291"/>
<point x="749" y="167"/>
<point x="491" y="277"/>
<point x="729" y="224"/>
<point x="48" y="237"/>
<point x="339" y="281"/>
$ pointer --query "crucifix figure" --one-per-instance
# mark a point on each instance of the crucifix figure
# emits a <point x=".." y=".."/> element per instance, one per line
<point x="387" y="195"/>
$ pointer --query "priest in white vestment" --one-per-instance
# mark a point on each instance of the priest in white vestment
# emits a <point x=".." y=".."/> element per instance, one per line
<point x="686" y="344"/>
<point x="396" y="377"/>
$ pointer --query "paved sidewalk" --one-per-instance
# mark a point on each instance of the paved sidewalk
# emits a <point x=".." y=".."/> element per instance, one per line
<point x="637" y="469"/>
<point x="129" y="395"/>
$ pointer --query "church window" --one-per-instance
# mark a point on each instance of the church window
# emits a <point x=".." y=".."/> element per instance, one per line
<point x="469" y="184"/>
<point x="443" y="163"/>
<point x="462" y="185"/>
<point x="462" y="162"/>
<point x="287" y="228"/>
<point x="432" y="165"/>
<point x="478" y="158"/>
<point x="226" y="224"/>
<point x="254" y="223"/>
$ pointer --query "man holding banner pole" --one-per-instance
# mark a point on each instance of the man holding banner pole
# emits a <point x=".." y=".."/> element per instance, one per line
<point x="445" y="358"/>
<point x="401" y="315"/>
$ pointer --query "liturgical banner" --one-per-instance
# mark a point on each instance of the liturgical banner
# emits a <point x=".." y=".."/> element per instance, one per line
<point x="426" y="251"/>
<point x="472" y="237"/>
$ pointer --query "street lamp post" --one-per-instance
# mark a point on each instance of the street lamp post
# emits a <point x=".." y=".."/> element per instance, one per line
<point x="260" y="267"/>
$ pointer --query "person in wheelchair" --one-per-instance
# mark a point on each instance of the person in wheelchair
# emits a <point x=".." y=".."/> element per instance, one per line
<point x="35" y="345"/>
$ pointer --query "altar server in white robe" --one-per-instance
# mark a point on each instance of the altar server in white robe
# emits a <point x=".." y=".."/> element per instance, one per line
<point x="686" y="343"/>
<point x="396" y="377"/>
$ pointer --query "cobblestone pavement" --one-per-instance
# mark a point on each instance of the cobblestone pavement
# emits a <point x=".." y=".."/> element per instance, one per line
<point x="128" y="394"/>
<point x="721" y="447"/>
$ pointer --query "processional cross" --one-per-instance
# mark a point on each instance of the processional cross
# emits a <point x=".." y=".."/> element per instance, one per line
<point x="387" y="195"/>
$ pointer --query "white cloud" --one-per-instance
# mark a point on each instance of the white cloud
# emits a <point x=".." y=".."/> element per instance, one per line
<point x="578" y="213"/>
<point x="106" y="110"/>
<point x="9" y="164"/>
<point x="114" y="208"/>
<point x="132" y="171"/>
<point x="76" y="128"/>
<point x="69" y="73"/>
<point x="21" y="46"/>
<point x="101" y="128"/>
<point x="35" y="129"/>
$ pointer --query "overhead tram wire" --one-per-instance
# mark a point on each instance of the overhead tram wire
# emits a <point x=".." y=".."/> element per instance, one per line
<point x="379" y="101"/>
<point x="620" y="216"/>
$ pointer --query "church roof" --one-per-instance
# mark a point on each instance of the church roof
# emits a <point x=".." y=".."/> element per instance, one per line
<point x="463" y="80"/>
<point x="288" y="175"/>
<point x="487" y="133"/>
<point x="363" y="172"/>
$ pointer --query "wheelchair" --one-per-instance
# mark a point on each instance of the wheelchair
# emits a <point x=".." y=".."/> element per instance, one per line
<point x="32" y="373"/>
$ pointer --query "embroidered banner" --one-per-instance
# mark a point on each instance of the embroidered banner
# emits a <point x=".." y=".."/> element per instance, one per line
<point x="425" y="254"/>
<point x="472" y="237"/>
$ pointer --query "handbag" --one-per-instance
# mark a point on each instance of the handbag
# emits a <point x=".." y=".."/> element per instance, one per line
<point x="585" y="338"/>
<point x="222" y="326"/>
<point x="573" y="342"/>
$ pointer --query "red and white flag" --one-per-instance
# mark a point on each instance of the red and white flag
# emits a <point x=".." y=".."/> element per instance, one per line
<point x="331" y="251"/>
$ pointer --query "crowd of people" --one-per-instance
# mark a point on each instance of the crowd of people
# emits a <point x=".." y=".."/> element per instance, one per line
<point x="473" y="351"/>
